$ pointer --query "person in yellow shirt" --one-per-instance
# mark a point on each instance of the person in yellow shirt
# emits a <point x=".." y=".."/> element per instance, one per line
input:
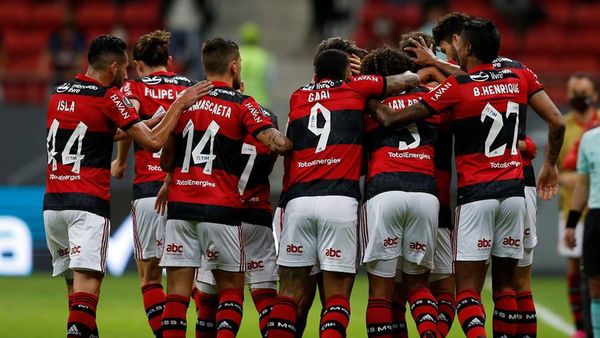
<point x="259" y="65"/>
<point x="583" y="96"/>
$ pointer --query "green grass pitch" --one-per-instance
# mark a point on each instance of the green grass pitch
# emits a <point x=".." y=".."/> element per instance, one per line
<point x="35" y="307"/>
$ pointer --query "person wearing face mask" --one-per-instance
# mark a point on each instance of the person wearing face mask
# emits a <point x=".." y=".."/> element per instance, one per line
<point x="582" y="94"/>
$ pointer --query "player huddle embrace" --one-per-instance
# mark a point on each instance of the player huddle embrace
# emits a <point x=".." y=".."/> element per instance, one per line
<point x="204" y="152"/>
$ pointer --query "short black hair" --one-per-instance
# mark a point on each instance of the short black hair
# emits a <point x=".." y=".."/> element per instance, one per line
<point x="484" y="38"/>
<point x="217" y="54"/>
<point x="104" y="50"/>
<point x="448" y="25"/>
<point x="386" y="61"/>
<point x="153" y="48"/>
<point x="405" y="42"/>
<point x="331" y="64"/>
<point x="347" y="46"/>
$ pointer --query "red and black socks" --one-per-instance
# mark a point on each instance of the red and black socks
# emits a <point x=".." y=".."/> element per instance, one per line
<point x="206" y="309"/>
<point x="527" y="327"/>
<point x="506" y="316"/>
<point x="471" y="314"/>
<point x="424" y="311"/>
<point x="282" y="322"/>
<point x="82" y="315"/>
<point x="379" y="318"/>
<point x="574" y="285"/>
<point x="174" y="322"/>
<point x="263" y="299"/>
<point x="229" y="312"/>
<point x="399" y="319"/>
<point x="335" y="317"/>
<point x="446" y="310"/>
<point x="154" y="304"/>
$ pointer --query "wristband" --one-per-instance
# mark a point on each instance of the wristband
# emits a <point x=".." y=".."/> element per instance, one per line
<point x="573" y="219"/>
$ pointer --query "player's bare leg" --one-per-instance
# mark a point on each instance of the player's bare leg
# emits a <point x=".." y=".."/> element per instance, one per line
<point x="528" y="324"/>
<point x="422" y="303"/>
<point x="444" y="292"/>
<point x="379" y="316"/>
<point x="153" y="295"/>
<point x="470" y="276"/>
<point x="178" y="298"/>
<point x="231" y="300"/>
<point x="292" y="283"/>
<point x="308" y="297"/>
<point x="83" y="302"/>
<point x="399" y="311"/>
<point x="505" y="302"/>
<point x="335" y="317"/>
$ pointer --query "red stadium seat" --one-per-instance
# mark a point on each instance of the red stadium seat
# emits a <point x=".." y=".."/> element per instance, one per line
<point x="97" y="15"/>
<point x="138" y="15"/>
<point x="48" y="15"/>
<point x="14" y="14"/>
<point x="23" y="42"/>
<point x="587" y="16"/>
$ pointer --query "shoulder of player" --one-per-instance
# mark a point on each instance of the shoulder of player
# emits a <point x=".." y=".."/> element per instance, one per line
<point x="591" y="135"/>
<point x="168" y="78"/>
<point x="504" y="62"/>
<point x="117" y="98"/>
<point x="81" y="87"/>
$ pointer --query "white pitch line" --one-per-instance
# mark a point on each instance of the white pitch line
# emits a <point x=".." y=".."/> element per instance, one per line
<point x="545" y="315"/>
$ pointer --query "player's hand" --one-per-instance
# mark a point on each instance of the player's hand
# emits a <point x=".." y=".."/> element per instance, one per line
<point x="569" y="238"/>
<point x="117" y="169"/>
<point x="192" y="94"/>
<point x="547" y="182"/>
<point x="355" y="64"/>
<point x="161" y="200"/>
<point x="425" y="54"/>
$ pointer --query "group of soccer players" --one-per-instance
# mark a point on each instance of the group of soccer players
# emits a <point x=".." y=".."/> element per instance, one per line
<point x="204" y="152"/>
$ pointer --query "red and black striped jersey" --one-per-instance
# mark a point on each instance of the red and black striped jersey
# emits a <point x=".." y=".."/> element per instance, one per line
<point x="443" y="170"/>
<point x="209" y="140"/>
<point x="326" y="126"/>
<point x="485" y="107"/>
<point x="155" y="93"/>
<point x="528" y="172"/>
<point x="401" y="159"/>
<point x="81" y="121"/>
<point x="254" y="183"/>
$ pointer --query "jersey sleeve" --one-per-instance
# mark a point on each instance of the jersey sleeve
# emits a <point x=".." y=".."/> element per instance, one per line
<point x="533" y="83"/>
<point x="120" y="110"/>
<point x="582" y="160"/>
<point x="131" y="91"/>
<point x="369" y="85"/>
<point x="442" y="97"/>
<point x="254" y="118"/>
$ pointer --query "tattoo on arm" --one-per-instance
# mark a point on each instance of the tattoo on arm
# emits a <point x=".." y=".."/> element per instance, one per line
<point x="275" y="140"/>
<point x="390" y="118"/>
<point x="556" y="136"/>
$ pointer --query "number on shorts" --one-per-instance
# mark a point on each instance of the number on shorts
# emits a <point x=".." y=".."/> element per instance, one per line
<point x="67" y="157"/>
<point x="497" y="124"/>
<point x="196" y="154"/>
<point x="247" y="149"/>
<point x="322" y="132"/>
<point x="411" y="131"/>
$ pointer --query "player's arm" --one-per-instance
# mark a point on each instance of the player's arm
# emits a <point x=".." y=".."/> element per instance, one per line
<point x="431" y="74"/>
<point x="426" y="57"/>
<point x="154" y="139"/>
<point x="547" y="183"/>
<point x="167" y="155"/>
<point x="401" y="82"/>
<point x="275" y="140"/>
<point x="393" y="119"/>
<point x="118" y="165"/>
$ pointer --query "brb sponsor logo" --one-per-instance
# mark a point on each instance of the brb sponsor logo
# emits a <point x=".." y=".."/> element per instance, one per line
<point x="484" y="243"/>
<point x="212" y="255"/>
<point x="174" y="248"/>
<point x="417" y="246"/>
<point x="333" y="253"/>
<point x="509" y="241"/>
<point x="255" y="265"/>
<point x="294" y="249"/>
<point x="391" y="241"/>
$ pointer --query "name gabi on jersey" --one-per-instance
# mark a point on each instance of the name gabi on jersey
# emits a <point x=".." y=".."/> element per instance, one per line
<point x="68" y="106"/>
<point x="316" y="96"/>
<point x="120" y="105"/>
<point x="212" y="107"/>
<point x="509" y="88"/>
<point x="401" y="103"/>
<point x="161" y="94"/>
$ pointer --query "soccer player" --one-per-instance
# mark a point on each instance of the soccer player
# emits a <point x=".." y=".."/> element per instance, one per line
<point x="205" y="161"/>
<point x="484" y="108"/>
<point x="587" y="193"/>
<point x="82" y="118"/>
<point x="322" y="190"/>
<point x="151" y="95"/>
<point x="259" y="243"/>
<point x="582" y="94"/>
<point x="400" y="215"/>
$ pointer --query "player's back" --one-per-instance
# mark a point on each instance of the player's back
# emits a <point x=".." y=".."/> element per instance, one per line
<point x="208" y="156"/>
<point x="155" y="93"/>
<point x="82" y="119"/>
<point x="402" y="159"/>
<point x="326" y="126"/>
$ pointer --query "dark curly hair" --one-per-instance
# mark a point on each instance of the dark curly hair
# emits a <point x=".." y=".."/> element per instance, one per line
<point x="153" y="48"/>
<point x="448" y="25"/>
<point x="405" y="42"/>
<point x="344" y="45"/>
<point x="386" y="61"/>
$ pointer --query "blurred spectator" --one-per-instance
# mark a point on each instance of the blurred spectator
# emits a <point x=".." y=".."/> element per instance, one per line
<point x="66" y="51"/>
<point x="325" y="13"/>
<point x="189" y="22"/>
<point x="258" y="65"/>
<point x="521" y="13"/>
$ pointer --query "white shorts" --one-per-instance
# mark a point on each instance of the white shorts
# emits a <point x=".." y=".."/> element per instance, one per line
<point x="492" y="227"/>
<point x="148" y="229"/>
<point x="443" y="260"/>
<point x="564" y="250"/>
<point x="320" y="230"/>
<point x="400" y="224"/>
<point x="77" y="240"/>
<point x="186" y="242"/>
<point x="530" y="229"/>
<point x="527" y="259"/>
<point x="259" y="247"/>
